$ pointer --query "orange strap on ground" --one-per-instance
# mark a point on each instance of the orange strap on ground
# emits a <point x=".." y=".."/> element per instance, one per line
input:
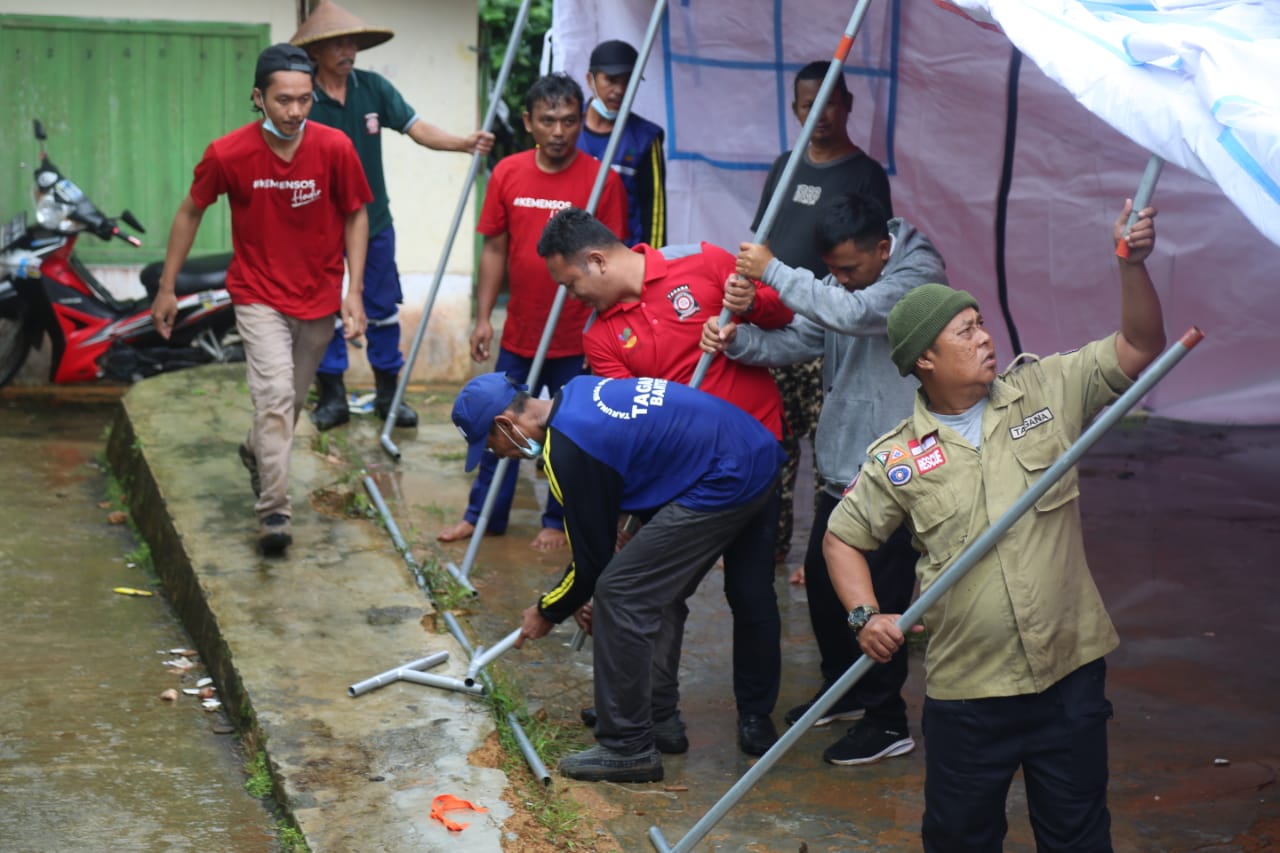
<point x="448" y="802"/>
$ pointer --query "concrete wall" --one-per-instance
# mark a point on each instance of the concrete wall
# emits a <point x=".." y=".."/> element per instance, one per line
<point x="432" y="61"/>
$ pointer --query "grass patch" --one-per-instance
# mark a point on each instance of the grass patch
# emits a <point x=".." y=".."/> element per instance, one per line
<point x="290" y="838"/>
<point x="551" y="807"/>
<point x="259" y="784"/>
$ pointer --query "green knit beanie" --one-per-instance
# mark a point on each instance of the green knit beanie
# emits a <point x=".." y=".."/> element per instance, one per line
<point x="914" y="323"/>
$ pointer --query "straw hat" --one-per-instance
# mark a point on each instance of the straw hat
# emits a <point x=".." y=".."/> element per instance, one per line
<point x="329" y="20"/>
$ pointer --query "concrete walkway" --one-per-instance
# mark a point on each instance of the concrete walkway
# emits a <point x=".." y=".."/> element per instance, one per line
<point x="1181" y="530"/>
<point x="285" y="638"/>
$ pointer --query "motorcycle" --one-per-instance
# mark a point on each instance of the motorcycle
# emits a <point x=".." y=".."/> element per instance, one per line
<point x="46" y="290"/>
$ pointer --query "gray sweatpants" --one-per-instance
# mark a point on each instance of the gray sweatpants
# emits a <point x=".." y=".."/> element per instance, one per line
<point x="636" y="627"/>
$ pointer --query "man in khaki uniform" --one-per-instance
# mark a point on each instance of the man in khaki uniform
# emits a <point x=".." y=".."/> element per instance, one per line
<point x="1016" y="677"/>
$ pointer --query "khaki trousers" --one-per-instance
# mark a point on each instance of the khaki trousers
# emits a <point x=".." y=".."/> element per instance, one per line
<point x="281" y="355"/>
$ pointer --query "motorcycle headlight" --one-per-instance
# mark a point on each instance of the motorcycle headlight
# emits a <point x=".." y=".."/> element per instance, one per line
<point x="52" y="214"/>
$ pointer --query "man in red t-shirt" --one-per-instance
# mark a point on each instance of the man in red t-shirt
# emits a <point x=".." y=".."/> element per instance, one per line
<point x="651" y="307"/>
<point x="297" y="195"/>
<point x="525" y="191"/>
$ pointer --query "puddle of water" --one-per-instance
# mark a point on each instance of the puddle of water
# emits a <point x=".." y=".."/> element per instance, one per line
<point x="90" y="757"/>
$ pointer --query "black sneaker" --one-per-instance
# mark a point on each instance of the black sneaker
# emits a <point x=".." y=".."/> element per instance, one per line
<point x="250" y="461"/>
<point x="275" y="535"/>
<point x="601" y="764"/>
<point x="845" y="709"/>
<point x="867" y="743"/>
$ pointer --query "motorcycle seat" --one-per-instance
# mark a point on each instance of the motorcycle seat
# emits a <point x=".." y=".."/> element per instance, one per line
<point x="206" y="272"/>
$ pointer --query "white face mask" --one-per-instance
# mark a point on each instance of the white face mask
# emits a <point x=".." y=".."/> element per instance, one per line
<point x="269" y="126"/>
<point x="604" y="112"/>
<point x="530" y="449"/>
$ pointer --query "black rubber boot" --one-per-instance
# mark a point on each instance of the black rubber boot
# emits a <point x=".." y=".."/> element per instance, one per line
<point x="331" y="407"/>
<point x="385" y="393"/>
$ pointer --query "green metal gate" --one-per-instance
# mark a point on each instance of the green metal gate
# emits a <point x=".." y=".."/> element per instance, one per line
<point x="129" y="107"/>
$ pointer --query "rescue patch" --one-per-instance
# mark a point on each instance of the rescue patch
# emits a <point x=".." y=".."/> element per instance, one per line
<point x="682" y="300"/>
<point x="896" y="453"/>
<point x="1030" y="422"/>
<point x="900" y="475"/>
<point x="883" y="458"/>
<point x="931" y="459"/>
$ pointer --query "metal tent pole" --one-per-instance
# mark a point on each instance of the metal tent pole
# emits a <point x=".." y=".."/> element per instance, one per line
<point x="1142" y="198"/>
<point x="495" y="98"/>
<point x="947" y="579"/>
<point x="461" y="574"/>
<point x="793" y="162"/>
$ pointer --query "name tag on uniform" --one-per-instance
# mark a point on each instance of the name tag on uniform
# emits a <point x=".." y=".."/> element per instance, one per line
<point x="1030" y="422"/>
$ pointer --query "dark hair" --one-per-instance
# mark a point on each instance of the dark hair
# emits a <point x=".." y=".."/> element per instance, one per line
<point x="572" y="231"/>
<point x="817" y="70"/>
<point x="280" y="57"/>
<point x="552" y="89"/>
<point x="852" y="216"/>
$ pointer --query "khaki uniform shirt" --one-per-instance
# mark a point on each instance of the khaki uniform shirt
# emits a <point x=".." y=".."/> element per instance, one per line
<point x="1028" y="613"/>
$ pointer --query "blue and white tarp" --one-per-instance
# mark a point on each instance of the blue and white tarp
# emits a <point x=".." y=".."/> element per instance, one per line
<point x="937" y="101"/>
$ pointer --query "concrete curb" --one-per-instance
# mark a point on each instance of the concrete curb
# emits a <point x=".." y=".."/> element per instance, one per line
<point x="284" y="638"/>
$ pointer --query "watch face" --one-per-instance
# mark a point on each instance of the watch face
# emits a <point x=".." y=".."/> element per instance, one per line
<point x="860" y="615"/>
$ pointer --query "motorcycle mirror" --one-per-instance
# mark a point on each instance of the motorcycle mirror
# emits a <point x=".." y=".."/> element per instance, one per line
<point x="132" y="222"/>
<point x="39" y="129"/>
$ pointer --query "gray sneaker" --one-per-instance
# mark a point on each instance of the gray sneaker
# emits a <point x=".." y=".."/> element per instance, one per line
<point x="669" y="736"/>
<point x="601" y="764"/>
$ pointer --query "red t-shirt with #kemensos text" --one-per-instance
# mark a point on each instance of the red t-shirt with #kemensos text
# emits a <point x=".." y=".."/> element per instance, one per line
<point x="520" y="200"/>
<point x="287" y="218"/>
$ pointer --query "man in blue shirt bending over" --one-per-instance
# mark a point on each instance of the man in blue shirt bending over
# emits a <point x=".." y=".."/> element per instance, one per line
<point x="700" y="472"/>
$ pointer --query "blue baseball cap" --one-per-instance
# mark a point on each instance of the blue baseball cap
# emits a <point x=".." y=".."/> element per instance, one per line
<point x="479" y="402"/>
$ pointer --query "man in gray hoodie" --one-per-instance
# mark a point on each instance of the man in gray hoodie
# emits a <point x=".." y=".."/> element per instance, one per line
<point x="872" y="263"/>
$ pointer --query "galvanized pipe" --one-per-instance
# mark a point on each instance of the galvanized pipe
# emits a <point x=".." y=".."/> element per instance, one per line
<point x="947" y="579"/>
<point x="495" y="98"/>
<point x="483" y="657"/>
<point x="557" y="305"/>
<point x="375" y="494"/>
<point x="442" y="681"/>
<point x="530" y="754"/>
<point x="793" y="162"/>
<point x="385" y="678"/>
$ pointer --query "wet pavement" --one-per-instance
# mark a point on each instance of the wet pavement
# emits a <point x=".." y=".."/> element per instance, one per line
<point x="90" y="757"/>
<point x="1181" y="523"/>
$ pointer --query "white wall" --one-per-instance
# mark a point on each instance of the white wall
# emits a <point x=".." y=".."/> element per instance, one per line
<point x="432" y="61"/>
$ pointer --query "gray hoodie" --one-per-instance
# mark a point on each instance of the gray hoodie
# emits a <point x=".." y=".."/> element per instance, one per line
<point x="864" y="395"/>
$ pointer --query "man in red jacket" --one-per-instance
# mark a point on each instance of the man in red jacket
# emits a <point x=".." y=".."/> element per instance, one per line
<point x="651" y="307"/>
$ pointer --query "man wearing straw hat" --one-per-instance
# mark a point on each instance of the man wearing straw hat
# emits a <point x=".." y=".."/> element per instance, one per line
<point x="361" y="104"/>
<point x="1015" y="671"/>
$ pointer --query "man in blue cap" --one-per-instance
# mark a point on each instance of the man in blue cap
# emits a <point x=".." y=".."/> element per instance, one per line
<point x="700" y="472"/>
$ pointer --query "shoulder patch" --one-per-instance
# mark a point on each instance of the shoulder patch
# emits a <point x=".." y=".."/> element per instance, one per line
<point x="900" y="475"/>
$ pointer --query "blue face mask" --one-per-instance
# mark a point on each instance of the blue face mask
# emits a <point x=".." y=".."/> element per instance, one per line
<point x="604" y="112"/>
<point x="269" y="126"/>
<point x="530" y="449"/>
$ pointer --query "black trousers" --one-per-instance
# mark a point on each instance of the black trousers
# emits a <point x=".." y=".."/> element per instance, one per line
<point x="893" y="577"/>
<point x="1059" y="739"/>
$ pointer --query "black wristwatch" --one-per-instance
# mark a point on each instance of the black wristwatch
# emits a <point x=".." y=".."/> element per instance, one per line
<point x="860" y="616"/>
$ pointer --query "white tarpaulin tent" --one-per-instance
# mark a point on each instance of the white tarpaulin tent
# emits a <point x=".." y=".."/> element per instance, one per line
<point x="939" y="101"/>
